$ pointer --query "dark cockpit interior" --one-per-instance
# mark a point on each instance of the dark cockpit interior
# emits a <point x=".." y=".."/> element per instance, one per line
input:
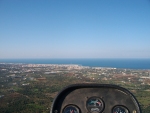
<point x="95" y="98"/>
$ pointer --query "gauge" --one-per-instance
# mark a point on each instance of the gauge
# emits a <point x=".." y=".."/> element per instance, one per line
<point x="71" y="109"/>
<point x="95" y="105"/>
<point x="120" y="109"/>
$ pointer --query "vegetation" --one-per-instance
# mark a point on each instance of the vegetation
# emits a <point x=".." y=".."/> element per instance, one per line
<point x="37" y="97"/>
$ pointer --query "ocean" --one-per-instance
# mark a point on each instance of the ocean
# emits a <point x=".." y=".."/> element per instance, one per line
<point x="113" y="63"/>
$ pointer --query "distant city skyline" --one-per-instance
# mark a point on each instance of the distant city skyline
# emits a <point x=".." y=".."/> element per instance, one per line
<point x="74" y="29"/>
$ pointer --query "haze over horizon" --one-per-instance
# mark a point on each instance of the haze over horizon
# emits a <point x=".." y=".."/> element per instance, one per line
<point x="74" y="29"/>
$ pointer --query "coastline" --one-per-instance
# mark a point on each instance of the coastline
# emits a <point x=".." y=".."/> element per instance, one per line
<point x="91" y="62"/>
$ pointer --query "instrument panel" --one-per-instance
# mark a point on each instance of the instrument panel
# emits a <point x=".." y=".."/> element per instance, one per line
<point x="95" y="98"/>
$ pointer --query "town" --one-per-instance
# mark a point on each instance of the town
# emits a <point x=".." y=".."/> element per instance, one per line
<point x="34" y="86"/>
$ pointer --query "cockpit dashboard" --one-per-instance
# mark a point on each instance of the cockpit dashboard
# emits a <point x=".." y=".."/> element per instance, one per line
<point x="95" y="98"/>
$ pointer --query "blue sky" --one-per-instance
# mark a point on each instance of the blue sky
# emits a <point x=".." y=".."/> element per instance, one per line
<point x="74" y="28"/>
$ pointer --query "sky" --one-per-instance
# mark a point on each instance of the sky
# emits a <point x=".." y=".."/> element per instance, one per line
<point x="74" y="29"/>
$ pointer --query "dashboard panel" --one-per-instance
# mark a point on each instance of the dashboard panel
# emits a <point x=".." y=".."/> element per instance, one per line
<point x="95" y="98"/>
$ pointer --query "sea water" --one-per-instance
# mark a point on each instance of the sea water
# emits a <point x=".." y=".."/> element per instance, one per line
<point x="113" y="63"/>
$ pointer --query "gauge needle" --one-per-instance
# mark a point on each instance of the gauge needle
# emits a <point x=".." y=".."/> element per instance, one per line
<point x="71" y="111"/>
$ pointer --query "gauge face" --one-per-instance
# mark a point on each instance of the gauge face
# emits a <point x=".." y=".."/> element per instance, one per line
<point x="71" y="109"/>
<point x="95" y="105"/>
<point x="120" y="109"/>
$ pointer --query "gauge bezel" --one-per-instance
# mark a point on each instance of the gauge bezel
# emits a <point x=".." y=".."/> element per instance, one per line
<point x="95" y="97"/>
<point x="121" y="106"/>
<point x="72" y="105"/>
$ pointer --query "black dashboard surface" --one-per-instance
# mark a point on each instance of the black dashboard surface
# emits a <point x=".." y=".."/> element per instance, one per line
<point x="95" y="98"/>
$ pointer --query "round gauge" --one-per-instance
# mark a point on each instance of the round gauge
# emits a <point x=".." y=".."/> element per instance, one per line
<point x="120" y="109"/>
<point x="71" y="109"/>
<point x="95" y="105"/>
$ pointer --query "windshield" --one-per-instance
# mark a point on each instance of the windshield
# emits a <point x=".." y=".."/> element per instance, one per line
<point x="47" y="45"/>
